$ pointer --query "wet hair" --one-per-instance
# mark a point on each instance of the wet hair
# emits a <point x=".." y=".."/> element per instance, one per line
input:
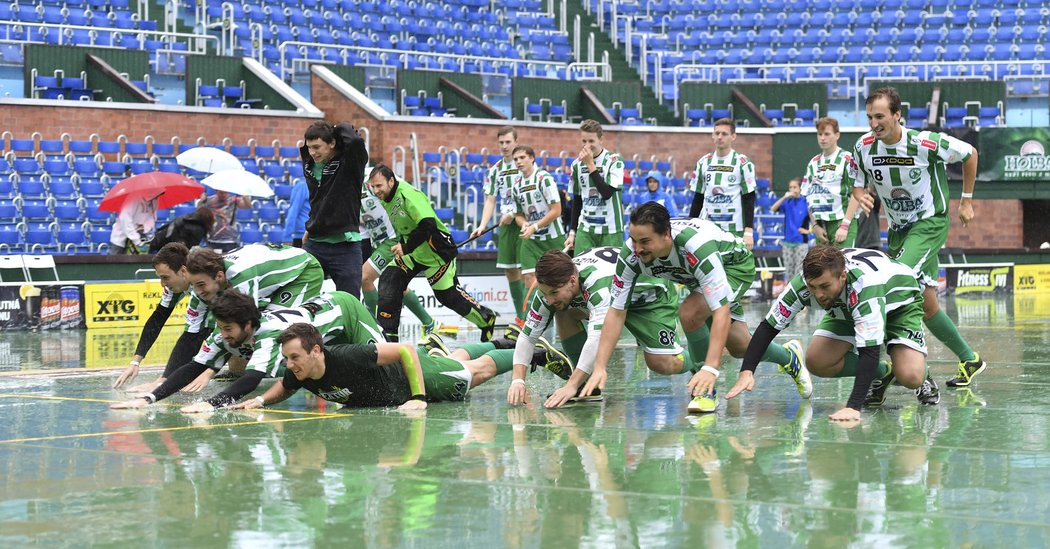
<point x="653" y="214"/>
<point x="320" y="130"/>
<point x="822" y="123"/>
<point x="528" y="150"/>
<point x="233" y="306"/>
<point x="307" y="335"/>
<point x="821" y="259"/>
<point x="555" y="268"/>
<point x="172" y="254"/>
<point x="891" y="96"/>
<point x="727" y="122"/>
<point x="591" y="126"/>
<point x="384" y="170"/>
<point x="508" y="129"/>
<point x="205" y="261"/>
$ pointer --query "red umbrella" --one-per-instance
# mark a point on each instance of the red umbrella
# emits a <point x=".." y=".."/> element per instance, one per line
<point x="176" y="189"/>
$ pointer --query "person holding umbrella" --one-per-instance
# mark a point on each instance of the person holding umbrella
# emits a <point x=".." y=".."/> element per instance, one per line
<point x="224" y="234"/>
<point x="134" y="228"/>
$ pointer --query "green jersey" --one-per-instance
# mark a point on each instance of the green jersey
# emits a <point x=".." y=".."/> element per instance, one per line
<point x="700" y="254"/>
<point x="876" y="286"/>
<point x="600" y="215"/>
<point x="499" y="182"/>
<point x="334" y="315"/>
<point x="534" y="196"/>
<point x="909" y="176"/>
<point x="724" y="180"/>
<point x="406" y="208"/>
<point x="374" y="219"/>
<point x="828" y="184"/>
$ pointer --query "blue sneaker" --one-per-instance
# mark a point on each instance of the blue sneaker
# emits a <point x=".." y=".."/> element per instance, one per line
<point x="796" y="368"/>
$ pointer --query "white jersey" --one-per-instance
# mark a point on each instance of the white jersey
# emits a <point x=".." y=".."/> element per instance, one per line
<point x="533" y="197"/>
<point x="374" y="219"/>
<point x="499" y="182"/>
<point x="598" y="215"/>
<point x="723" y="180"/>
<point x="909" y="176"/>
<point x="828" y="184"/>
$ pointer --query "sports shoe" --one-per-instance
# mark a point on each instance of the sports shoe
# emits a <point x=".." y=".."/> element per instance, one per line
<point x="595" y="396"/>
<point x="552" y="359"/>
<point x="877" y="391"/>
<point x="489" y="328"/>
<point x="430" y="328"/>
<point x="434" y="345"/>
<point x="968" y="371"/>
<point x="512" y="332"/>
<point x="928" y="393"/>
<point x="704" y="403"/>
<point x="796" y="368"/>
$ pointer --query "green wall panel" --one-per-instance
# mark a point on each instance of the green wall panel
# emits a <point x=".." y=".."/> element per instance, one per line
<point x="429" y="81"/>
<point x="46" y="59"/>
<point x="355" y="76"/>
<point x="627" y="93"/>
<point x="955" y="94"/>
<point x="210" y="68"/>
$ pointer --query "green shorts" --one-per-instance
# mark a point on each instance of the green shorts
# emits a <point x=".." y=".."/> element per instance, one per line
<point x="532" y="250"/>
<point x="382" y="255"/>
<point x="832" y="226"/>
<point x="654" y="325"/>
<point x="587" y="241"/>
<point x="359" y="327"/>
<point x="445" y="379"/>
<point x="918" y="246"/>
<point x="903" y="327"/>
<point x="508" y="246"/>
<point x="740" y="276"/>
<point x="305" y="286"/>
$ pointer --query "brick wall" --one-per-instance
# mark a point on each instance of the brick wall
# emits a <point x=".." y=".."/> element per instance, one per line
<point x="997" y="224"/>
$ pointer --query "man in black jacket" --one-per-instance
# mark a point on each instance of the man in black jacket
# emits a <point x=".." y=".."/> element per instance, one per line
<point x="334" y="160"/>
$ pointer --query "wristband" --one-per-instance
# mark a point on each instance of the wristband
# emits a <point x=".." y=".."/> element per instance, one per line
<point x="711" y="370"/>
<point x="262" y="402"/>
<point x="419" y="397"/>
<point x="518" y="380"/>
<point x="134" y="363"/>
<point x="149" y="398"/>
<point x="967" y="195"/>
<point x="845" y="223"/>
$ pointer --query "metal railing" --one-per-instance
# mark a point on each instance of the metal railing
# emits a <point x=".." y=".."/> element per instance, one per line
<point x="196" y="44"/>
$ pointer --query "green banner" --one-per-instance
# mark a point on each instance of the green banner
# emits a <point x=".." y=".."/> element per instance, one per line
<point x="1014" y="154"/>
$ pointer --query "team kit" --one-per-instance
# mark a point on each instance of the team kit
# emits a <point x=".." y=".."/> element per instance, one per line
<point x="579" y="273"/>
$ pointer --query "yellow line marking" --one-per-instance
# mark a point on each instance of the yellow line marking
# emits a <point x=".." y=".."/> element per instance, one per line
<point x="168" y="404"/>
<point x="163" y="429"/>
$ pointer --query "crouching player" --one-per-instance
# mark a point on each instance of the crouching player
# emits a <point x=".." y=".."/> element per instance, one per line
<point x="870" y="300"/>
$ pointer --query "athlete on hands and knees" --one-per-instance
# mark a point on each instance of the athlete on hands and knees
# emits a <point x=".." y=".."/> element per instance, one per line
<point x="538" y="207"/>
<point x="597" y="186"/>
<point x="907" y="170"/>
<point x="871" y="301"/>
<point x="717" y="269"/>
<point x="578" y="292"/>
<point x="375" y="374"/>
<point x="380" y="232"/>
<point x="170" y="264"/>
<point x="828" y="185"/>
<point x="248" y="333"/>
<point x="497" y="189"/>
<point x="424" y="246"/>
<point x="725" y="186"/>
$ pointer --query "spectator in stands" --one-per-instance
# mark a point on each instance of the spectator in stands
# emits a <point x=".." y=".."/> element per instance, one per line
<point x="334" y="160"/>
<point x="654" y="183"/>
<point x="597" y="187"/>
<point x="869" y="233"/>
<point x="296" y="215"/>
<point x="134" y="227"/>
<point x="224" y="234"/>
<point x="725" y="186"/>
<point x="189" y="229"/>
<point x="796" y="227"/>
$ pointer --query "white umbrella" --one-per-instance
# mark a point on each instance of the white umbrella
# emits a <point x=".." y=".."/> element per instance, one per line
<point x="238" y="182"/>
<point x="208" y="160"/>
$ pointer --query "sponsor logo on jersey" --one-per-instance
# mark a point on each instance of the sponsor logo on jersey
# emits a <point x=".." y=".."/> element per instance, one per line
<point x="527" y="188"/>
<point x="335" y="394"/>
<point x="617" y="282"/>
<point x="932" y="145"/>
<point x="902" y="201"/>
<point x="505" y="173"/>
<point x="868" y="140"/>
<point x="892" y="161"/>
<point x="691" y="259"/>
<point x="783" y="310"/>
<point x="723" y="169"/>
<point x="718" y="196"/>
<point x="852" y="298"/>
<point x="535" y="316"/>
<point x="850" y="162"/>
<point x="915" y="174"/>
<point x="815" y="189"/>
<point x="192" y="312"/>
<point x="828" y="168"/>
